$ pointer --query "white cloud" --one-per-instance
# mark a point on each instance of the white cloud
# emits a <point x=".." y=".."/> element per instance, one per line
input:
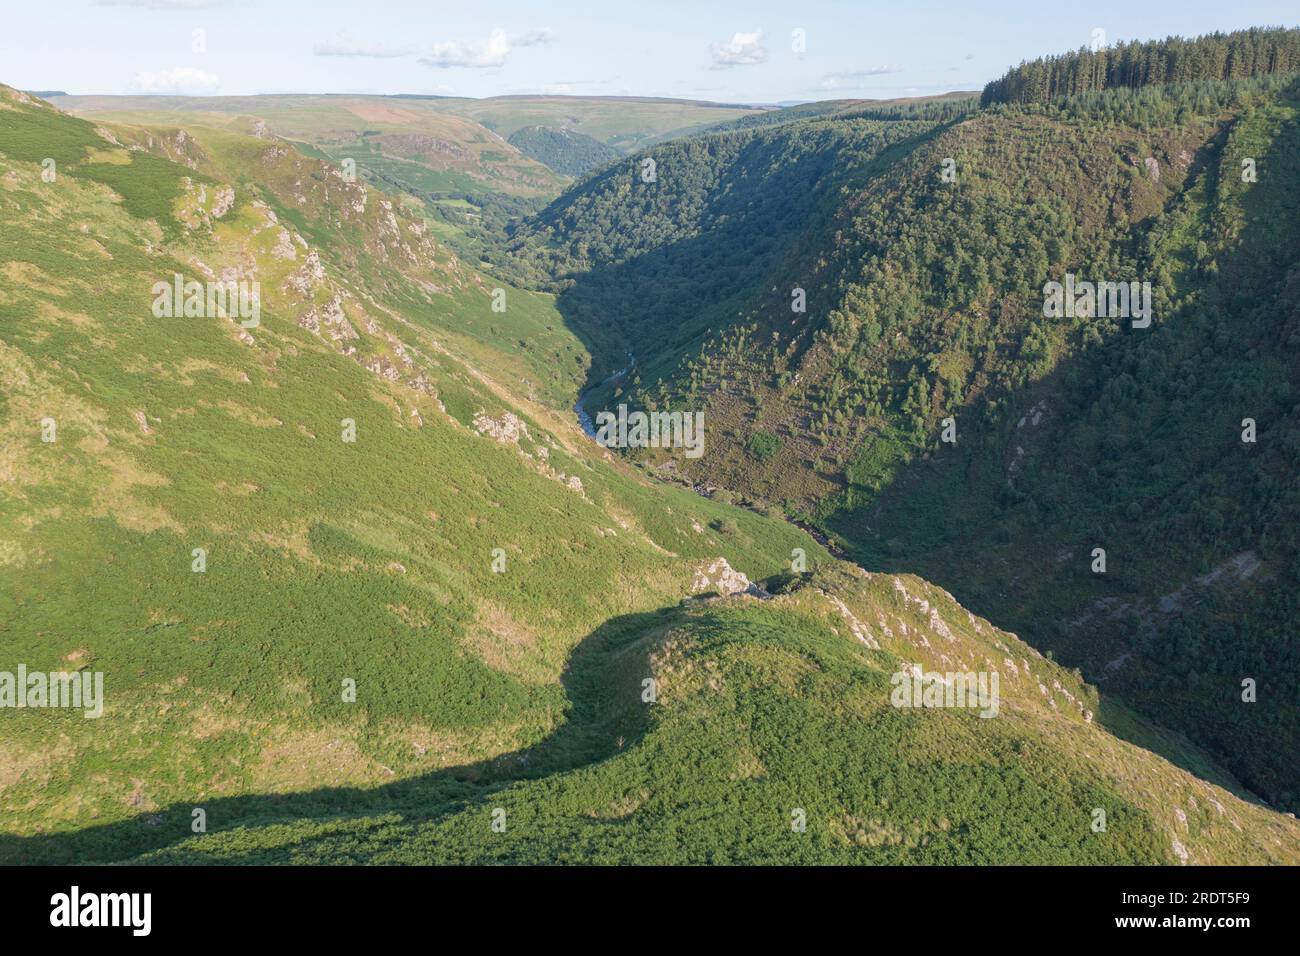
<point x="182" y="79"/>
<point x="470" y="53"/>
<point x="344" y="45"/>
<point x="855" y="79"/>
<point x="743" y="49"/>
<point x="481" y="54"/>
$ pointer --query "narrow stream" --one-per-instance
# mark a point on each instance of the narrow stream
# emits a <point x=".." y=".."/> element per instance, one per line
<point x="584" y="419"/>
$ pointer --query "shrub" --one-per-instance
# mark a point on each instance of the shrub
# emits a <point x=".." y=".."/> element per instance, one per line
<point x="763" y="445"/>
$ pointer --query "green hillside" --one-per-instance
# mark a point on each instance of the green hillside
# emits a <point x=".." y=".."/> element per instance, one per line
<point x="944" y="104"/>
<point x="922" y="241"/>
<point x="566" y="151"/>
<point x="360" y="588"/>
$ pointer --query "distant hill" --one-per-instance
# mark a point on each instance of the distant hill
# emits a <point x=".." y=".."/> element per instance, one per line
<point x="566" y="151"/>
<point x="625" y="123"/>
<point x="622" y="122"/>
<point x="941" y="105"/>
<point x="418" y="145"/>
<point x="451" y="153"/>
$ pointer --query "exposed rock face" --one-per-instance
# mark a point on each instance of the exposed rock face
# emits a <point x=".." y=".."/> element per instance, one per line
<point x="195" y="210"/>
<point x="331" y="318"/>
<point x="1180" y="851"/>
<point x="268" y="215"/>
<point x="1235" y="571"/>
<point x="223" y="201"/>
<point x="721" y="577"/>
<point x="860" y="630"/>
<point x="1034" y="415"/>
<point x="383" y="368"/>
<point x="507" y="429"/>
<point x="284" y="246"/>
<point x="309" y="275"/>
<point x="936" y="622"/>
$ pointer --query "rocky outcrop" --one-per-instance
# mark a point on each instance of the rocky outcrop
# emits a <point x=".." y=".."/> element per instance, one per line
<point x="507" y="429"/>
<point x="330" y="320"/>
<point x="721" y="578"/>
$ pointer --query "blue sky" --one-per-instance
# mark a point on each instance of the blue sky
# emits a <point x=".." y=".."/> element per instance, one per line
<point x="705" y="49"/>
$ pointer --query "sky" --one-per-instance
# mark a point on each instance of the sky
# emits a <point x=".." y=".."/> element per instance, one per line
<point x="755" y="51"/>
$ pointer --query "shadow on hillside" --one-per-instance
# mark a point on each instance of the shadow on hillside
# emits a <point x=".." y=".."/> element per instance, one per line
<point x="601" y="679"/>
<point x="1014" y="553"/>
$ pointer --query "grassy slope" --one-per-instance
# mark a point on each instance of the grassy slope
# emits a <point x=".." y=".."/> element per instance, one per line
<point x="240" y="436"/>
<point x="372" y="561"/>
<point x="766" y="709"/>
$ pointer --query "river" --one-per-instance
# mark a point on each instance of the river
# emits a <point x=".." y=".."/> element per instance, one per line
<point x="584" y="419"/>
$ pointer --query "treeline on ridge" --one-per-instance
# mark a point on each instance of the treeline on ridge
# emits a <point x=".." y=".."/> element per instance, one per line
<point x="1218" y="56"/>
